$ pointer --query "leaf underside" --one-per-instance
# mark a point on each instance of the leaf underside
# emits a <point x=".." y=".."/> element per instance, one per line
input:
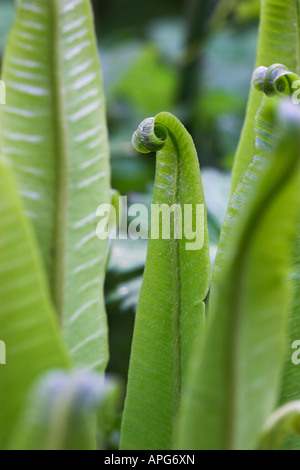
<point x="27" y="320"/>
<point x="53" y="132"/>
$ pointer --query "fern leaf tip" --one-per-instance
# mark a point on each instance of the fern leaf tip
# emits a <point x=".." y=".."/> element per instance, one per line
<point x="150" y="136"/>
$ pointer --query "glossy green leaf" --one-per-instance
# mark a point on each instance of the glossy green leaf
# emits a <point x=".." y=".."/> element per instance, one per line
<point x="291" y="376"/>
<point x="234" y="388"/>
<point x="54" y="135"/>
<point x="270" y="81"/>
<point x="171" y="311"/>
<point x="278" y="41"/>
<point x="27" y="320"/>
<point x="60" y="413"/>
<point x="282" y="423"/>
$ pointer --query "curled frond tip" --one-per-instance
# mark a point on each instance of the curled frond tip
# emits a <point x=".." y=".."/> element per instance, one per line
<point x="274" y="80"/>
<point x="150" y="136"/>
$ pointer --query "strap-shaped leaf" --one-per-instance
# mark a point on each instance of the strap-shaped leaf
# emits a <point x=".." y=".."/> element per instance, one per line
<point x="271" y="80"/>
<point x="171" y="311"/>
<point x="280" y="425"/>
<point x="291" y="376"/>
<point x="278" y="41"/>
<point x="27" y="321"/>
<point x="235" y="388"/>
<point x="54" y="134"/>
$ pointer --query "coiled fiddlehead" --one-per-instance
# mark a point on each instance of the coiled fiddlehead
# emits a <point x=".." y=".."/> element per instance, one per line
<point x="274" y="80"/>
<point x="150" y="136"/>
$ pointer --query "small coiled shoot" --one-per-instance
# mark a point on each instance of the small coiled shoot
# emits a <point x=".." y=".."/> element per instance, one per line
<point x="275" y="80"/>
<point x="150" y="136"/>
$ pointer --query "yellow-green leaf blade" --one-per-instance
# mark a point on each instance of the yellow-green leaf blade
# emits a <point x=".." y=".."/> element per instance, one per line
<point x="265" y="144"/>
<point x="27" y="320"/>
<point x="235" y="387"/>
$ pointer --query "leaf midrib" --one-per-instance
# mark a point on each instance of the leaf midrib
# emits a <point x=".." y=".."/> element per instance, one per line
<point x="177" y="314"/>
<point x="61" y="165"/>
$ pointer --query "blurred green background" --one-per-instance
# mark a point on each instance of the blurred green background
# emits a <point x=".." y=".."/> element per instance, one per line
<point x="191" y="57"/>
